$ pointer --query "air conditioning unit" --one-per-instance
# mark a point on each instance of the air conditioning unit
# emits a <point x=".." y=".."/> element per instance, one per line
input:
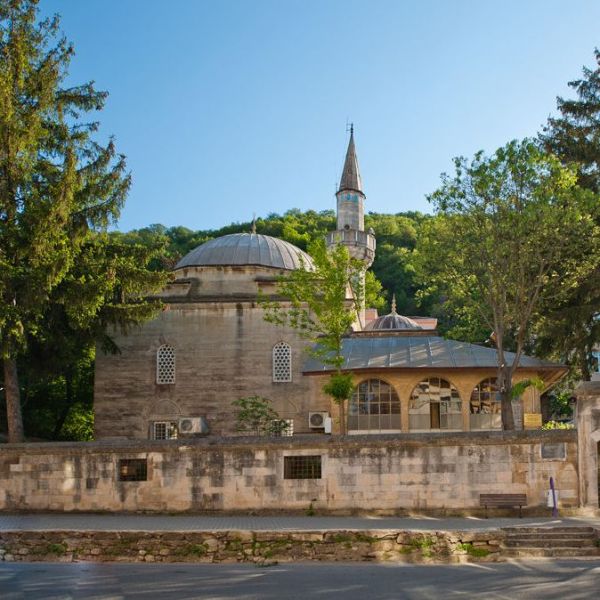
<point x="316" y="420"/>
<point x="191" y="425"/>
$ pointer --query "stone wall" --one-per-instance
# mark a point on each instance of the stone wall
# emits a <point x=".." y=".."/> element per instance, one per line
<point x="260" y="547"/>
<point x="394" y="473"/>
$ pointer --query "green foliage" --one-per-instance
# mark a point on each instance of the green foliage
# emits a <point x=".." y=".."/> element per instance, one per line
<point x="339" y="387"/>
<point x="57" y="186"/>
<point x="574" y="135"/>
<point x="493" y="254"/>
<point x="79" y="424"/>
<point x="569" y="330"/>
<point x="321" y="304"/>
<point x="560" y="402"/>
<point x="557" y="425"/>
<point x="63" y="280"/>
<point x="472" y="550"/>
<point x="518" y="389"/>
<point x="256" y="415"/>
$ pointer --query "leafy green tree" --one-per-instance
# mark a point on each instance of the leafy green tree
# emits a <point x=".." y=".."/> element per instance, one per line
<point x="517" y="232"/>
<point x="322" y="304"/>
<point x="256" y="415"/>
<point x="57" y="185"/>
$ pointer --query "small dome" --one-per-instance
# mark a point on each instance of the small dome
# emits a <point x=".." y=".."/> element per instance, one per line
<point x="247" y="249"/>
<point x="392" y="322"/>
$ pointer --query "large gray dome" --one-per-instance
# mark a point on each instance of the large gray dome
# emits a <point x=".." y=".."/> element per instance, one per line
<point x="247" y="249"/>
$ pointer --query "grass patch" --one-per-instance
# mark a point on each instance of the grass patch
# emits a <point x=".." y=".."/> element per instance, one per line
<point x="472" y="550"/>
<point x="190" y="550"/>
<point x="424" y="544"/>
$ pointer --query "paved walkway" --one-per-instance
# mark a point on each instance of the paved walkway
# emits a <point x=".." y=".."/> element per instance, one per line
<point x="128" y="522"/>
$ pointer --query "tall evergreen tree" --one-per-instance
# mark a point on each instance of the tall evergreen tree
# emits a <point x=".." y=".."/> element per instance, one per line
<point x="569" y="330"/>
<point x="57" y="185"/>
<point x="574" y="135"/>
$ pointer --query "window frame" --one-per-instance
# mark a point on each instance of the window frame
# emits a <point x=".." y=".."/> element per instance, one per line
<point x="168" y="378"/>
<point x="285" y="362"/>
<point x="442" y="410"/>
<point x="367" y="405"/>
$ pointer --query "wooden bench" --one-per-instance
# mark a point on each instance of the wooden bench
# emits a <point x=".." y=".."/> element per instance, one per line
<point x="502" y="501"/>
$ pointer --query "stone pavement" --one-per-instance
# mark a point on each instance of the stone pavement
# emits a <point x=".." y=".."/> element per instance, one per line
<point x="133" y="522"/>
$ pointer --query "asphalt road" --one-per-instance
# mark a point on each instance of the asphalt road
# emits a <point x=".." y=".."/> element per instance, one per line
<point x="543" y="579"/>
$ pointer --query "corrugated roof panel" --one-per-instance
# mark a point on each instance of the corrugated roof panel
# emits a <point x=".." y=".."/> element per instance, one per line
<point x="418" y="352"/>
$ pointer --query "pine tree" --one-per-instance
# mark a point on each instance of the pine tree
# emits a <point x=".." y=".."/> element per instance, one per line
<point x="574" y="136"/>
<point x="569" y="330"/>
<point x="57" y="185"/>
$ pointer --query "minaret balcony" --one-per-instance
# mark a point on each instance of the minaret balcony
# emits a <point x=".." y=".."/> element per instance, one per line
<point x="360" y="243"/>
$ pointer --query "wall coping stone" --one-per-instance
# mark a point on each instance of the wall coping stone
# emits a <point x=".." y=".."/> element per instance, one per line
<point x="298" y="442"/>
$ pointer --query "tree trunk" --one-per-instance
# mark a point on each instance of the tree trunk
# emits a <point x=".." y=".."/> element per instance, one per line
<point x="64" y="413"/>
<point x="342" y="405"/>
<point x="505" y="387"/>
<point x="14" y="417"/>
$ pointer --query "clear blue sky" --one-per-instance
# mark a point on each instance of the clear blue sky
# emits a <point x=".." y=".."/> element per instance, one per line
<point x="225" y="108"/>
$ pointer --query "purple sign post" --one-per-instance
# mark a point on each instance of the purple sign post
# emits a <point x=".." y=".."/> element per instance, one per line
<point x="554" y="506"/>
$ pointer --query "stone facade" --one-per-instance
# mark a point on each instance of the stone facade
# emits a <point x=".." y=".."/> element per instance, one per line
<point x="223" y="351"/>
<point x="424" y="472"/>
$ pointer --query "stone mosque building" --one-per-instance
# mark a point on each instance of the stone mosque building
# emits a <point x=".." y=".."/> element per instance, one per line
<point x="179" y="374"/>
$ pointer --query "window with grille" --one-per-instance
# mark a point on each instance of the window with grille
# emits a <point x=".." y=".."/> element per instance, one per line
<point x="164" y="430"/>
<point x="281" y="428"/>
<point x="302" y="467"/>
<point x="282" y="362"/>
<point x="165" y="365"/>
<point x="133" y="469"/>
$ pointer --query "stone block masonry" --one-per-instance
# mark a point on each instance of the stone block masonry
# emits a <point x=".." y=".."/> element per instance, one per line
<point x="261" y="547"/>
<point x="394" y="473"/>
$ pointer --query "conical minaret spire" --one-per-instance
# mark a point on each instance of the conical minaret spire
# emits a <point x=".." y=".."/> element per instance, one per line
<point x="350" y="180"/>
<point x="351" y="218"/>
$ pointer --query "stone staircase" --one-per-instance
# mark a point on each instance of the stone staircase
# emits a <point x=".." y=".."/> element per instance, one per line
<point x="564" y="542"/>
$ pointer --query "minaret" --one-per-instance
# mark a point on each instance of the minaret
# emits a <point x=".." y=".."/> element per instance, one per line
<point x="351" y="215"/>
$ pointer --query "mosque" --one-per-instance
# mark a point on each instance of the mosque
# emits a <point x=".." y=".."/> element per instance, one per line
<point x="178" y="374"/>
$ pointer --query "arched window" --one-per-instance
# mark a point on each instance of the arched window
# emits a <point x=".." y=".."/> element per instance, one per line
<point x="282" y="362"/>
<point x="165" y="365"/>
<point x="374" y="406"/>
<point x="486" y="405"/>
<point x="435" y="404"/>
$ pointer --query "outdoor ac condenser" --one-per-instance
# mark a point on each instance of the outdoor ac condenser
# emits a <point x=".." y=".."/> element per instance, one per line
<point x="316" y="420"/>
<point x="193" y="425"/>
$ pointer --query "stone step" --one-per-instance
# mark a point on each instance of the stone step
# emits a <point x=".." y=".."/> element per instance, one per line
<point x="551" y="552"/>
<point x="572" y="543"/>
<point x="543" y="530"/>
<point x="551" y="536"/>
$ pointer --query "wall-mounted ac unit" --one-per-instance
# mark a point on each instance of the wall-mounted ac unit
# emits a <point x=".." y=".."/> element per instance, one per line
<point x="193" y="425"/>
<point x="316" y="420"/>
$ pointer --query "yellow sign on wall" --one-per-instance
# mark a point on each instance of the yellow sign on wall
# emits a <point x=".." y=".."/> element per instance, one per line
<point x="532" y="420"/>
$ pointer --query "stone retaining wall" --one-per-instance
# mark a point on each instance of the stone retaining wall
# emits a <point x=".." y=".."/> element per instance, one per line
<point x="395" y="473"/>
<point x="247" y="546"/>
